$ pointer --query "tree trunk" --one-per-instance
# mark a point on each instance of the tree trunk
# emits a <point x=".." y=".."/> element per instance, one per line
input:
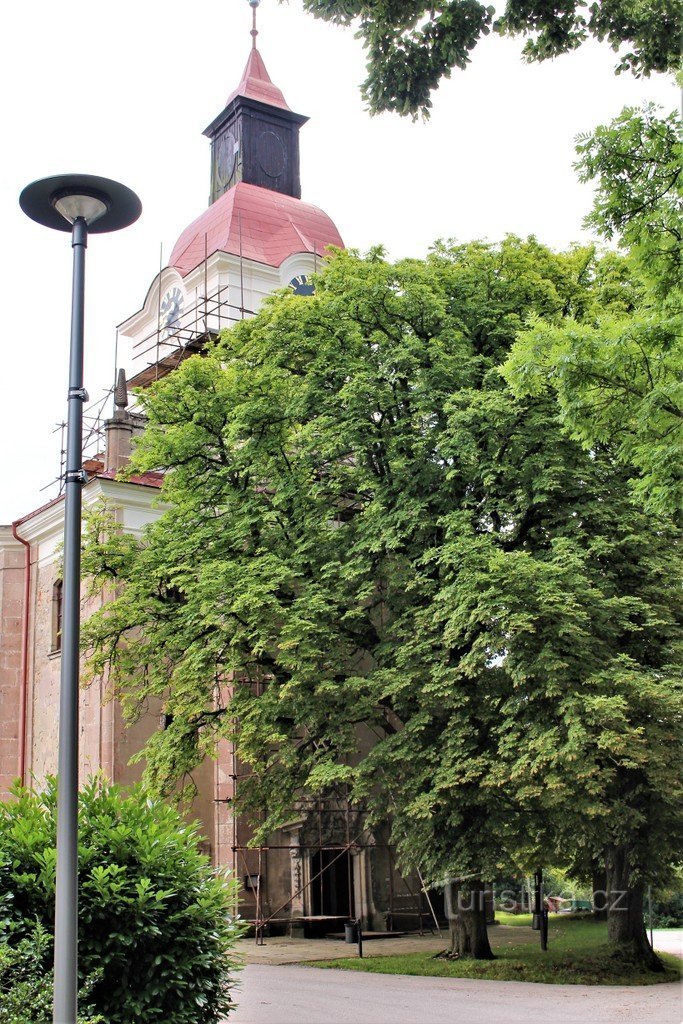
<point x="467" y="918"/>
<point x="625" y="924"/>
<point x="599" y="891"/>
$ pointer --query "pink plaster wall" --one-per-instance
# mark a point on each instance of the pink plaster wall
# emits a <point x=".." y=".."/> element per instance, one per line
<point x="11" y="610"/>
<point x="44" y="677"/>
<point x="107" y="743"/>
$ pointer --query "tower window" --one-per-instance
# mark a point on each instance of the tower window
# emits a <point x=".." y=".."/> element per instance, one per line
<point x="57" y="594"/>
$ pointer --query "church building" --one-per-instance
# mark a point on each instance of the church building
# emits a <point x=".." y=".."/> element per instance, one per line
<point x="256" y="235"/>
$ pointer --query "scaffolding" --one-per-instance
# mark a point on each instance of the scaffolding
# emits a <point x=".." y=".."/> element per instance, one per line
<point x="162" y="351"/>
<point x="164" y="348"/>
<point x="167" y="345"/>
<point x="94" y="419"/>
<point x="324" y="851"/>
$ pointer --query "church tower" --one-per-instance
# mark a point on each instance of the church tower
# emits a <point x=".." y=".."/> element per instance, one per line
<point x="256" y="235"/>
<point x="255" y="139"/>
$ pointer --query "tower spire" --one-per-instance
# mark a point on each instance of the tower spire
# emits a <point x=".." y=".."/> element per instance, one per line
<point x="255" y="138"/>
<point x="254" y="31"/>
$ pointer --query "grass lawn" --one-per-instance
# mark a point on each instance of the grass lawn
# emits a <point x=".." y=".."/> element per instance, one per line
<point x="577" y="954"/>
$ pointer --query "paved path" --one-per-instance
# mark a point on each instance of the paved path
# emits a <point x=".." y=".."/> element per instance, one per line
<point x="280" y="950"/>
<point x="308" y="995"/>
<point x="668" y="940"/>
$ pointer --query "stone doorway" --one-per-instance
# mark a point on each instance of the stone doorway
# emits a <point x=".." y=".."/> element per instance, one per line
<point x="332" y="894"/>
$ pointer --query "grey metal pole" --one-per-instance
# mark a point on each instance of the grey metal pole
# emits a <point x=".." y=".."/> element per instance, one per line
<point x="66" y="907"/>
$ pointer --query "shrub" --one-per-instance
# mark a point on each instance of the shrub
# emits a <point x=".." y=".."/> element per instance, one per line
<point x="156" y="927"/>
<point x="668" y="912"/>
<point x="26" y="983"/>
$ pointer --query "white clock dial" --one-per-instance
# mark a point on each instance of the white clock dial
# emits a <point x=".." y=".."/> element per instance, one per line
<point x="301" y="285"/>
<point x="170" y="312"/>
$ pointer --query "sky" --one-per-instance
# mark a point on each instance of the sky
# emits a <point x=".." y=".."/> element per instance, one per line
<point x="125" y="90"/>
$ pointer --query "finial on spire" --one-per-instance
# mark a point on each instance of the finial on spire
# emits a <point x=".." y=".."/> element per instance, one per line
<point x="254" y="31"/>
<point x="121" y="390"/>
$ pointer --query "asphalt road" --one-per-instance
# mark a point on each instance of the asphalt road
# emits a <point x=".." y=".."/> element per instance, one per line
<point x="309" y="995"/>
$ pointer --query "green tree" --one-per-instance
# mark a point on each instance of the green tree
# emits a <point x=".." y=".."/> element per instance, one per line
<point x="387" y="551"/>
<point x="636" y="165"/>
<point x="618" y="378"/>
<point x="156" y="928"/>
<point x="413" y="44"/>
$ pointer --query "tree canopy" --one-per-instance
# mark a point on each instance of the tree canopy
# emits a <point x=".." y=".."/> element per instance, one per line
<point x="618" y="379"/>
<point x="636" y="165"/>
<point x="382" y="569"/>
<point x="413" y="44"/>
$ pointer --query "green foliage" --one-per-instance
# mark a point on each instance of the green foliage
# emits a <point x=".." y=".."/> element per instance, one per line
<point x="667" y="904"/>
<point x="617" y="376"/>
<point x="636" y="162"/>
<point x="618" y="382"/>
<point x="649" y="27"/>
<point x="413" y="44"/>
<point x="420" y="585"/>
<point x="155" y="925"/>
<point x="668" y="913"/>
<point x="26" y="982"/>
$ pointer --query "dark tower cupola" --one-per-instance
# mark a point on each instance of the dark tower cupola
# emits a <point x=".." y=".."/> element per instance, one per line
<point x="255" y="139"/>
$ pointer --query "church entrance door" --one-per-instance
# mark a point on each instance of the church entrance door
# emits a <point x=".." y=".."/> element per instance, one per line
<point x="332" y="893"/>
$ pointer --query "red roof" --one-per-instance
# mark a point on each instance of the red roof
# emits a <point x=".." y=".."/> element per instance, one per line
<point x="262" y="225"/>
<point x="144" y="479"/>
<point x="256" y="84"/>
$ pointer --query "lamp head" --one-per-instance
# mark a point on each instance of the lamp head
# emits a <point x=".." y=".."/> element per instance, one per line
<point x="88" y="205"/>
<point x="57" y="202"/>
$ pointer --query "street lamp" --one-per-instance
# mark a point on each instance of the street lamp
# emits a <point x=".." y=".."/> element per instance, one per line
<point x="79" y="203"/>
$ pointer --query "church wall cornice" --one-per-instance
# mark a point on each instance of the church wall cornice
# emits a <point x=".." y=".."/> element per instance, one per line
<point x="135" y="504"/>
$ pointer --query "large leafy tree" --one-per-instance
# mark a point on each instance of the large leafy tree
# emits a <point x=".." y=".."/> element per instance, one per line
<point x="618" y="378"/>
<point x="420" y="586"/>
<point x="413" y="44"/>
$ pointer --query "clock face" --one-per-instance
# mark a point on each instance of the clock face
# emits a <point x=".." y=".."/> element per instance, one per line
<point x="271" y="154"/>
<point x="170" y="312"/>
<point x="225" y="160"/>
<point x="301" y="285"/>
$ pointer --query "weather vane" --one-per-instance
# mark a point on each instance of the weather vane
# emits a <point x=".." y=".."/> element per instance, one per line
<point x="254" y="31"/>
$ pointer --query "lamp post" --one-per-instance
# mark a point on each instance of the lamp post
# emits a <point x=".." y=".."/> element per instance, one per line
<point x="79" y="203"/>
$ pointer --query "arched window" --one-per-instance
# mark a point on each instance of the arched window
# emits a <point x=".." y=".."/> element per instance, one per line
<point x="57" y="589"/>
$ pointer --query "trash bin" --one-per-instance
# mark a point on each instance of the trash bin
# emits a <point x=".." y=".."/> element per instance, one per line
<point x="350" y="932"/>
